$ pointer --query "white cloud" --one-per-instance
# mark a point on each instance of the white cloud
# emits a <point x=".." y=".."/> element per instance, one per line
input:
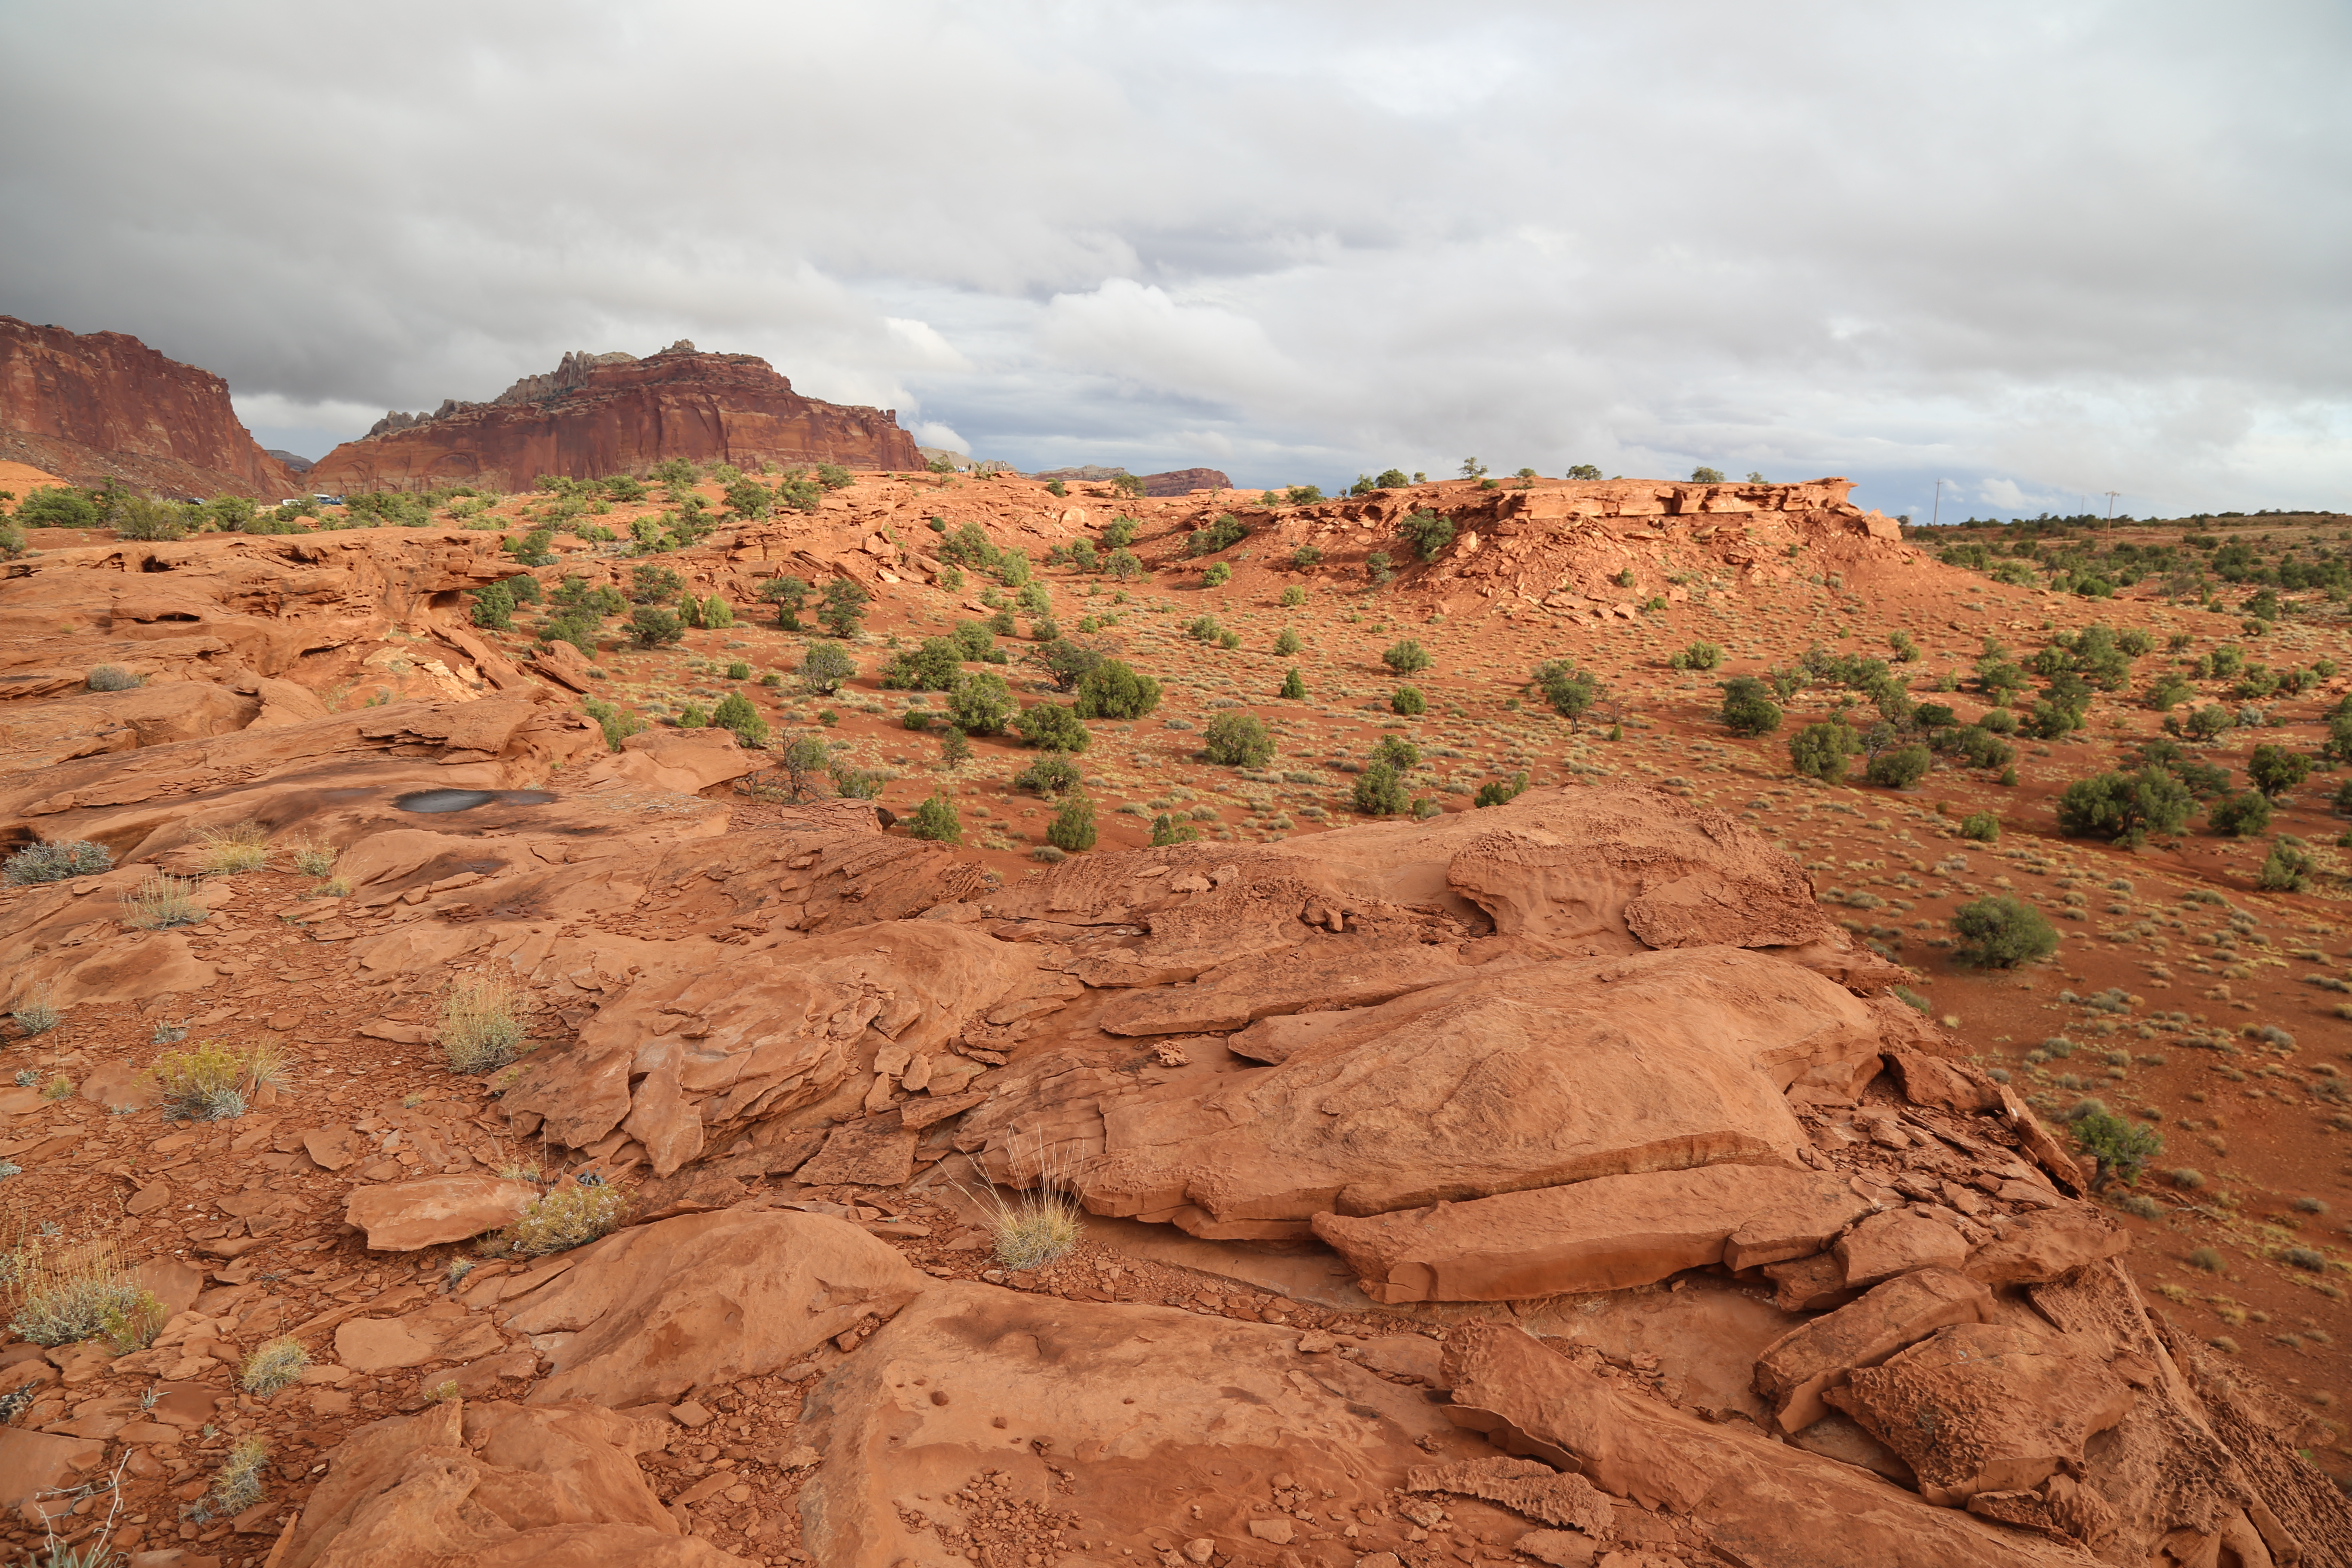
<point x="932" y="434"/>
<point x="1295" y="239"/>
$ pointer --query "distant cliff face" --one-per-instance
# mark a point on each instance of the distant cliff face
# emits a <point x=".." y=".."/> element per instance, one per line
<point x="613" y="414"/>
<point x="100" y="406"/>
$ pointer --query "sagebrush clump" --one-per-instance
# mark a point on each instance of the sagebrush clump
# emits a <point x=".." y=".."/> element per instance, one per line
<point x="571" y="1216"/>
<point x="64" y="1298"/>
<point x="56" y="862"/>
<point x="482" y="1023"/>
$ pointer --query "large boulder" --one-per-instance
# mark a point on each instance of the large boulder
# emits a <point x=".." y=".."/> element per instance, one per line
<point x="1795" y="1370"/>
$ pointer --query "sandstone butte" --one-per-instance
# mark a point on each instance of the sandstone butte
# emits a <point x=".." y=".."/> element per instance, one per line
<point x="613" y="414"/>
<point x="95" y="406"/>
<point x="1558" y="1181"/>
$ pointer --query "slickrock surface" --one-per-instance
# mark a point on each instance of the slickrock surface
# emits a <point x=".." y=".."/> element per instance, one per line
<point x="1560" y="1181"/>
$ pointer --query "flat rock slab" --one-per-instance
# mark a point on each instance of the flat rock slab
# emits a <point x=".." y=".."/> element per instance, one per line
<point x="1794" y="1370"/>
<point x="1603" y="1235"/>
<point x="656" y="1310"/>
<point x="1129" y="1415"/>
<point x="858" y="1155"/>
<point x="404" y="1217"/>
<point x="1763" y="1504"/>
<point x="1898" y="1242"/>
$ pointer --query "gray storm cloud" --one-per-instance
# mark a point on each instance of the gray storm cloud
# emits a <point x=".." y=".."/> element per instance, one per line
<point x="2041" y="251"/>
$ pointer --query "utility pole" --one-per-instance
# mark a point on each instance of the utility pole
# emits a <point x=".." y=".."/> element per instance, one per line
<point x="1937" y="515"/>
<point x="2111" y="509"/>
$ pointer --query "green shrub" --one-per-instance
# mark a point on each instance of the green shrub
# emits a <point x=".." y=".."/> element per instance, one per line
<point x="1380" y="791"/>
<point x="1497" y="792"/>
<point x="735" y="712"/>
<point x="1054" y="728"/>
<point x="654" y="586"/>
<point x="1114" y="689"/>
<point x="571" y="1216"/>
<point x="1120" y="531"/>
<point x="2121" y="1148"/>
<point x="1285" y="643"/>
<point x="618" y="723"/>
<point x="834" y="477"/>
<point x="2002" y="932"/>
<point x="2246" y="815"/>
<point x="1051" y="774"/>
<point x="2274" y="769"/>
<point x="980" y="704"/>
<point x="2124" y="809"/>
<point x="1905" y="650"/>
<point x="1748" y="708"/>
<point x="1073" y="827"/>
<point x="55" y="506"/>
<point x="800" y="760"/>
<point x="1305" y="556"/>
<point x="1294" y="686"/>
<point x="152" y="522"/>
<point x="843" y="610"/>
<point x="1820" y="751"/>
<point x="1982" y="827"/>
<point x="1427" y="532"/>
<point x="936" y="820"/>
<point x="790" y="595"/>
<point x="650" y="628"/>
<point x="1379" y="568"/>
<point x="1237" y="739"/>
<point x="1223" y="534"/>
<point x="2286" y="870"/>
<point x="1406" y="658"/>
<point x="825" y="666"/>
<point x="931" y="665"/>
<point x="1570" y="691"/>
<point x="1698" y="656"/>
<point x="1899" y="768"/>
<point x="56" y="862"/>
<point x="1409" y="701"/>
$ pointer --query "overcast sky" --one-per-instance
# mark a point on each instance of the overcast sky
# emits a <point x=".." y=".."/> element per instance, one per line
<point x="2040" y="251"/>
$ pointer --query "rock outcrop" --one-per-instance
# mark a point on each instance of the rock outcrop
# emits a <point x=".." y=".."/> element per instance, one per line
<point x="613" y="414"/>
<point x="96" y="406"/>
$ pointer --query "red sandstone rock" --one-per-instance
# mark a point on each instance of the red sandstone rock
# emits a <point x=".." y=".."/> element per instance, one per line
<point x="1795" y="1369"/>
<point x="1759" y="1503"/>
<point x="402" y="1217"/>
<point x="1603" y="1235"/>
<point x="2010" y="1408"/>
<point x="624" y="418"/>
<point x="654" y="1311"/>
<point x="1897" y="1242"/>
<point x="101" y="406"/>
<point x="2045" y="1246"/>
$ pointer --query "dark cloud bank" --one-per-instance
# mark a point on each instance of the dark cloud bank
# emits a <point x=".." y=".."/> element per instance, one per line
<point x="2041" y="251"/>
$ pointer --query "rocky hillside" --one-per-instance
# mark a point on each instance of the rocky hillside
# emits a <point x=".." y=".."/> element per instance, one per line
<point x="449" y="1127"/>
<point x="614" y="414"/>
<point x="95" y="406"/>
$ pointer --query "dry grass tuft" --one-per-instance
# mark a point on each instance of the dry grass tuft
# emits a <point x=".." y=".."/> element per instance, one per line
<point x="275" y="1365"/>
<point x="214" y="1081"/>
<point x="83" y="1293"/>
<point x="162" y="902"/>
<point x="482" y="1023"/>
<point x="237" y="1485"/>
<point x="571" y="1216"/>
<point x="36" y="1010"/>
<point x="228" y="850"/>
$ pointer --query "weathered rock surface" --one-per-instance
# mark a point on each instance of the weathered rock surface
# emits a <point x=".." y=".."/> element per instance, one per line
<point x="614" y="415"/>
<point x="544" y="1486"/>
<point x="402" y="1216"/>
<point x="1600" y="1234"/>
<point x="1984" y="1408"/>
<point x="98" y="405"/>
<point x="649" y="1313"/>
<point x="1100" y="1411"/>
<point x="1794" y="1371"/>
<point x="1757" y="1502"/>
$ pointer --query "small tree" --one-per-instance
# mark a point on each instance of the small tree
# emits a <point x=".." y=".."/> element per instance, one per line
<point x="1428" y="533"/>
<point x="1294" y="686"/>
<point x="1408" y="701"/>
<point x="1379" y="568"/>
<point x="2120" y="1147"/>
<point x="1073" y="827"/>
<point x="735" y="712"/>
<point x="1050" y="775"/>
<point x="494" y="607"/>
<point x="842" y="610"/>
<point x="654" y="586"/>
<point x="652" y="627"/>
<point x="2125" y="807"/>
<point x="790" y="595"/>
<point x="1406" y="658"/>
<point x="1496" y="792"/>
<point x="2274" y="769"/>
<point x="1285" y="643"/>
<point x="1054" y="728"/>
<point x="1114" y="689"/>
<point x="1167" y="830"/>
<point x="1237" y="739"/>
<point x="1380" y="791"/>
<point x="2287" y="868"/>
<point x="1820" y="751"/>
<point x="1748" y="708"/>
<point x="1981" y="827"/>
<point x="2002" y="932"/>
<point x="955" y="748"/>
<point x="1706" y="476"/>
<point x="1123" y="565"/>
<point x="1570" y="691"/>
<point x="801" y="762"/>
<point x="936" y="820"/>
<point x="826" y="666"/>
<point x="1699" y="654"/>
<point x="748" y="499"/>
<point x="1900" y="768"/>
<point x="2246" y="815"/>
<point x="979" y="704"/>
